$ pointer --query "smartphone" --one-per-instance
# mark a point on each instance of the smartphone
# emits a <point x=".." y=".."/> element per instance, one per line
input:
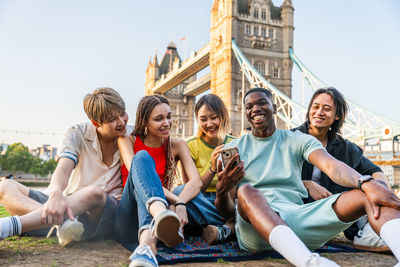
<point x="227" y="154"/>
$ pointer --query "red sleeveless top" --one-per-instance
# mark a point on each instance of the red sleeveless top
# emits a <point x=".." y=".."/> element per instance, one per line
<point x="157" y="153"/>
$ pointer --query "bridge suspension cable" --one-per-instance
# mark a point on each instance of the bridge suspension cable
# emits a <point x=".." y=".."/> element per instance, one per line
<point x="290" y="112"/>
<point x="360" y="124"/>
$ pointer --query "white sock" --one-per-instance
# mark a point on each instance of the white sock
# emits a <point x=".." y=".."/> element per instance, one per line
<point x="289" y="245"/>
<point x="389" y="234"/>
<point x="10" y="226"/>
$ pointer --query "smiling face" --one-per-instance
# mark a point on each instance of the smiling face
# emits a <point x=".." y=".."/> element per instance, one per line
<point x="160" y="121"/>
<point x="322" y="112"/>
<point x="208" y="122"/>
<point x="114" y="125"/>
<point x="259" y="112"/>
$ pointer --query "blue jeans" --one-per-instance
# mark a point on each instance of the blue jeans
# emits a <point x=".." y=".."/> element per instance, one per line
<point x="142" y="187"/>
<point x="201" y="211"/>
<point x="210" y="196"/>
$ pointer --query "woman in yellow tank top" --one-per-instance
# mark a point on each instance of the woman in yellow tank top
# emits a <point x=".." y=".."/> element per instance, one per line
<point x="214" y="125"/>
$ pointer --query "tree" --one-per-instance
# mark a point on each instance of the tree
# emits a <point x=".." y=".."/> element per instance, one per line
<point x="1" y="161"/>
<point x="36" y="166"/>
<point x="17" y="158"/>
<point x="48" y="167"/>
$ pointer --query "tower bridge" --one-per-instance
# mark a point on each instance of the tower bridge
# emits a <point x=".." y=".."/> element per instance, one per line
<point x="182" y="71"/>
<point x="251" y="45"/>
<point x="263" y="31"/>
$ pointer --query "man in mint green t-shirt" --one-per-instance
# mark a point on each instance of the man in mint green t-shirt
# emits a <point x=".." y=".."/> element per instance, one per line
<point x="270" y="211"/>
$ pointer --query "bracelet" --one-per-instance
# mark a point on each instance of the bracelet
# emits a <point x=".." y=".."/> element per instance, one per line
<point x="180" y="203"/>
<point x="364" y="179"/>
<point x="213" y="172"/>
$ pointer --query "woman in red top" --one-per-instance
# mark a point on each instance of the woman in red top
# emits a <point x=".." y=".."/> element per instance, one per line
<point x="150" y="156"/>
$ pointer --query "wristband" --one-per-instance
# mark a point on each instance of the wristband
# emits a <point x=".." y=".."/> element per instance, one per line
<point x="213" y="172"/>
<point x="364" y="179"/>
<point x="180" y="203"/>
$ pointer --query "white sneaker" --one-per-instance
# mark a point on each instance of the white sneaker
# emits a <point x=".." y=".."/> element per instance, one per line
<point x="166" y="227"/>
<point x="369" y="242"/>
<point x="316" y="260"/>
<point x="69" y="231"/>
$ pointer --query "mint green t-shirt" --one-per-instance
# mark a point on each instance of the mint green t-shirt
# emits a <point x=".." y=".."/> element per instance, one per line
<point x="273" y="164"/>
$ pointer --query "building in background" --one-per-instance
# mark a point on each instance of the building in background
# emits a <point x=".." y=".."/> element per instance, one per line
<point x="182" y="107"/>
<point x="263" y="31"/>
<point x="3" y="148"/>
<point x="45" y="152"/>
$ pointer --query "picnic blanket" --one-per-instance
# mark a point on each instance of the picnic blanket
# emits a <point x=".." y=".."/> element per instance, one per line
<point x="195" y="249"/>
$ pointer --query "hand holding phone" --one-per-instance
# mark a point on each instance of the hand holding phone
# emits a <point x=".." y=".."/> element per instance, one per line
<point x="227" y="154"/>
<point x="232" y="174"/>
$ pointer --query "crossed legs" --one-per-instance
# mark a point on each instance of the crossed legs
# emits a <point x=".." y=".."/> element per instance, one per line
<point x="353" y="204"/>
<point x="90" y="199"/>
<point x="254" y="208"/>
<point x="15" y="198"/>
<point x="142" y="200"/>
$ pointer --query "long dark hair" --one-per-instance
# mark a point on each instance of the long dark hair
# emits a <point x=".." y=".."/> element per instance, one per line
<point x="216" y="105"/>
<point x="145" y="107"/>
<point x="341" y="109"/>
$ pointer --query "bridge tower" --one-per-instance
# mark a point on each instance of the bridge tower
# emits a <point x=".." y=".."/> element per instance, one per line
<point x="264" y="32"/>
<point x="182" y="106"/>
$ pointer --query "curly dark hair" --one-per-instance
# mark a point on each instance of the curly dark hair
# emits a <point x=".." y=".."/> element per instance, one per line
<point x="341" y="109"/>
<point x="258" y="89"/>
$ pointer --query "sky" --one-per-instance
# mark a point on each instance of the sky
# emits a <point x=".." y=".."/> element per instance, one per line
<point x="54" y="52"/>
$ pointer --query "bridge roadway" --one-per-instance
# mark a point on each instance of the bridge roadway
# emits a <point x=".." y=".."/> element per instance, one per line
<point x="289" y="111"/>
<point x="198" y="86"/>
<point x="197" y="61"/>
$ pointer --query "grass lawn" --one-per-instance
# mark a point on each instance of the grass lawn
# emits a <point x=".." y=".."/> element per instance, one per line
<point x="16" y="243"/>
<point x="3" y="212"/>
<point x="41" y="251"/>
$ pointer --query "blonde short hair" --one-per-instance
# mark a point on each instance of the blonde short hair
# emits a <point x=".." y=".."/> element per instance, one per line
<point x="102" y="103"/>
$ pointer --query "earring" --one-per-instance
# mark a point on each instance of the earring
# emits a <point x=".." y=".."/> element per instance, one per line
<point x="330" y="128"/>
<point x="145" y="130"/>
<point x="96" y="124"/>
